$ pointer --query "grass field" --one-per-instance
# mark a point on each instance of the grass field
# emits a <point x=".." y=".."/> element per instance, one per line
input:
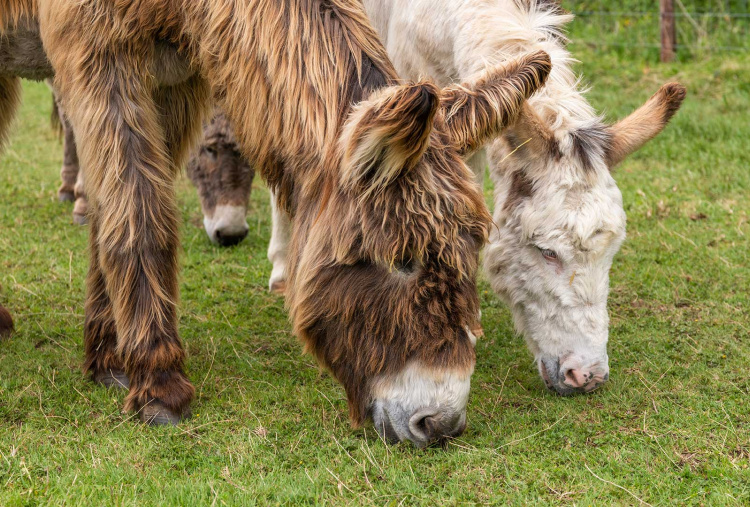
<point x="671" y="426"/>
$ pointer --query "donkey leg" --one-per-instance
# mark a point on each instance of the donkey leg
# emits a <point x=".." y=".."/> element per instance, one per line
<point x="69" y="171"/>
<point x="102" y="361"/>
<point x="81" y="207"/>
<point x="130" y="184"/>
<point x="281" y="231"/>
<point x="478" y="164"/>
<point x="10" y="96"/>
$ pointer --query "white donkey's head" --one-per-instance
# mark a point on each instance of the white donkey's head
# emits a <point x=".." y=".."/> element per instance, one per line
<point x="560" y="222"/>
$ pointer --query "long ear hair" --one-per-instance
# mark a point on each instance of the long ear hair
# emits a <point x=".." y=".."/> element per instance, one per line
<point x="386" y="135"/>
<point x="631" y="133"/>
<point x="477" y="111"/>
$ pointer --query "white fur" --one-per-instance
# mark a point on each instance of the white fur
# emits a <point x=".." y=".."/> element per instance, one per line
<point x="228" y="219"/>
<point x="281" y="232"/>
<point x="419" y="390"/>
<point x="417" y="386"/>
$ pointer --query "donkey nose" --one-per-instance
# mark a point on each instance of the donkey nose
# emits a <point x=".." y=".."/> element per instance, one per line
<point x="584" y="379"/>
<point x="575" y="375"/>
<point x="230" y="236"/>
<point x="575" y="378"/>
<point x="428" y="425"/>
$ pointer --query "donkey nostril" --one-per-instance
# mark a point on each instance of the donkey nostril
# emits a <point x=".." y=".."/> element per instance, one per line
<point x="429" y="427"/>
<point x="425" y="425"/>
<point x="577" y="378"/>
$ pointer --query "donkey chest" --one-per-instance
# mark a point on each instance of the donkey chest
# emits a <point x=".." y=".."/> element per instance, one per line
<point x="22" y="53"/>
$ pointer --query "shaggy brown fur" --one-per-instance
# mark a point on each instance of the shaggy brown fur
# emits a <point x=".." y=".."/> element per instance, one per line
<point x="6" y="322"/>
<point x="287" y="73"/>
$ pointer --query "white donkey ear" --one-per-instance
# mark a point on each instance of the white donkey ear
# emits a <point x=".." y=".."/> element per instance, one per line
<point x="631" y="133"/>
<point x="477" y="111"/>
<point x="386" y="135"/>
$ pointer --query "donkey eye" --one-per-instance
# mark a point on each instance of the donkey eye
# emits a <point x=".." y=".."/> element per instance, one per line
<point x="550" y="255"/>
<point x="406" y="266"/>
<point x="211" y="151"/>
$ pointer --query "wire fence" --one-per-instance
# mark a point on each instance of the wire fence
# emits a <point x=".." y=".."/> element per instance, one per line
<point x="635" y="25"/>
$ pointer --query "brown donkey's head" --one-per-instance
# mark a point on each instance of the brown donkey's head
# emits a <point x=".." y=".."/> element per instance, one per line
<point x="383" y="290"/>
<point x="223" y="178"/>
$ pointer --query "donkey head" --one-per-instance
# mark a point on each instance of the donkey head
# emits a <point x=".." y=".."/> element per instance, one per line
<point x="223" y="179"/>
<point x="384" y="290"/>
<point x="560" y="222"/>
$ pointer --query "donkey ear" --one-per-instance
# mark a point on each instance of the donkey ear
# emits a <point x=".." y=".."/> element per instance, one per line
<point x="386" y="135"/>
<point x="479" y="110"/>
<point x="631" y="133"/>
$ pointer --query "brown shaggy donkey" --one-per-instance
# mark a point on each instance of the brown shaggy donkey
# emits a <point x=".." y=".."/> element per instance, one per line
<point x="388" y="222"/>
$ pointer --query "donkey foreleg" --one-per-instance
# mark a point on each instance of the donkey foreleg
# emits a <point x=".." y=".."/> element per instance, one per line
<point x="130" y="180"/>
<point x="10" y="96"/>
<point x="69" y="171"/>
<point x="281" y="232"/>
<point x="71" y="176"/>
<point x="102" y="362"/>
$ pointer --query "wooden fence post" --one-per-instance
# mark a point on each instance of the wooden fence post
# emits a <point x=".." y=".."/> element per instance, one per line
<point x="666" y="21"/>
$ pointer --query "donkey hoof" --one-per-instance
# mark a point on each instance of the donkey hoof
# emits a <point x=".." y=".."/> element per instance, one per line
<point x="6" y="323"/>
<point x="155" y="413"/>
<point x="64" y="196"/>
<point x="112" y="378"/>
<point x="279" y="287"/>
<point x="79" y="219"/>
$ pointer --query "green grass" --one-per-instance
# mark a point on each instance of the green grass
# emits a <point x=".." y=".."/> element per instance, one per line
<point x="671" y="426"/>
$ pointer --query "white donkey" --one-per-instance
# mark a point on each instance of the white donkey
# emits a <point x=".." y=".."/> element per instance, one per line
<point x="558" y="211"/>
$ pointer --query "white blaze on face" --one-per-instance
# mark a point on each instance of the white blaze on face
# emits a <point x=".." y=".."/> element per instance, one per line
<point x="226" y="221"/>
<point x="402" y="401"/>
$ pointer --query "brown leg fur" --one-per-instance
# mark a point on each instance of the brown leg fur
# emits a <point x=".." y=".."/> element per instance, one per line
<point x="69" y="171"/>
<point x="102" y="361"/>
<point x="10" y="96"/>
<point x="130" y="158"/>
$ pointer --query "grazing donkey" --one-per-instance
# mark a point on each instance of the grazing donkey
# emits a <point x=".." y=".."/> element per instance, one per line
<point x="388" y="223"/>
<point x="558" y="211"/>
<point x="217" y="168"/>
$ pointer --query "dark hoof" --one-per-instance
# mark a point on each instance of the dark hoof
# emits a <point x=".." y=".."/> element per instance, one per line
<point x="79" y="219"/>
<point x="279" y="287"/>
<point x="66" y="196"/>
<point x="156" y="414"/>
<point x="112" y="378"/>
<point x="6" y="323"/>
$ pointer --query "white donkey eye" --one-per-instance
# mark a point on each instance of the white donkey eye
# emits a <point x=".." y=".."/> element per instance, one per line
<point x="549" y="254"/>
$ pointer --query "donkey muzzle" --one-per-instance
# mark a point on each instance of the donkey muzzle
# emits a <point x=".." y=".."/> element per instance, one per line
<point x="423" y="427"/>
<point x="573" y="375"/>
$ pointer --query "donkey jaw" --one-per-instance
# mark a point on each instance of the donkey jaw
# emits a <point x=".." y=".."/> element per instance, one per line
<point x="420" y="404"/>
